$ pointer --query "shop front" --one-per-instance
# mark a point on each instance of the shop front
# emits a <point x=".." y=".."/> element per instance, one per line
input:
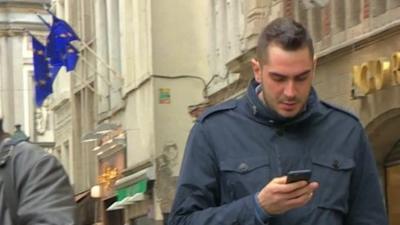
<point x="135" y="195"/>
<point x="111" y="154"/>
<point x="392" y="168"/>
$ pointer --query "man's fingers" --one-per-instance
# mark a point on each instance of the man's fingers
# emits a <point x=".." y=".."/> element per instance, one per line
<point x="299" y="201"/>
<point x="286" y="188"/>
<point x="310" y="188"/>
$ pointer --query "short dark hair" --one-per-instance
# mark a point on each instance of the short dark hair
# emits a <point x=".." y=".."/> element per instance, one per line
<point x="287" y="34"/>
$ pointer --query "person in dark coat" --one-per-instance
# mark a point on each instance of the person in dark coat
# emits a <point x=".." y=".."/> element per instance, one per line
<point x="34" y="188"/>
<point x="239" y="152"/>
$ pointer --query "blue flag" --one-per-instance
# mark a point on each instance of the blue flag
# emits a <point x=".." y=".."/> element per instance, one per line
<point x="59" y="48"/>
<point x="42" y="77"/>
<point x="71" y="58"/>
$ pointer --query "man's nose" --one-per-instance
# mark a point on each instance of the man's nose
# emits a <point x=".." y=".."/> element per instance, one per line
<point x="290" y="89"/>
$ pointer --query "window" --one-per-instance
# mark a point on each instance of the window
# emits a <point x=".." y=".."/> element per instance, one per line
<point x="393" y="4"/>
<point x="338" y="16"/>
<point x="301" y="13"/>
<point x="352" y="13"/>
<point x="378" y="7"/>
<point x="315" y="23"/>
<point x="233" y="28"/>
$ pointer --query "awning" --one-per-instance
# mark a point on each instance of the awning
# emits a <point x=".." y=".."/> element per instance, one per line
<point x="115" y="206"/>
<point x="129" y="195"/>
<point x="147" y="173"/>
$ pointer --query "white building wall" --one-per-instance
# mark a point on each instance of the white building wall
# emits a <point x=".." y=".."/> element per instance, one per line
<point x="139" y="125"/>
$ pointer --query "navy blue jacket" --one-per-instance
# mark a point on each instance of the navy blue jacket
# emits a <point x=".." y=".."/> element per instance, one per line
<point x="239" y="146"/>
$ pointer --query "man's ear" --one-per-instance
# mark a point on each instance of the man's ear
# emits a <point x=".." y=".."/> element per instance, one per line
<point x="255" y="65"/>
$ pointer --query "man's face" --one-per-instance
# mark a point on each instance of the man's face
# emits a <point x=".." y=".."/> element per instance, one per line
<point x="286" y="79"/>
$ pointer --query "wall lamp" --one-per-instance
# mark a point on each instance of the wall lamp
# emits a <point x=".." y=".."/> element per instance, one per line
<point x="91" y="136"/>
<point x="105" y="128"/>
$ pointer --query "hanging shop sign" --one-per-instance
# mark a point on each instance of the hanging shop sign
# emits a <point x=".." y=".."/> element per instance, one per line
<point x="108" y="177"/>
<point x="377" y="74"/>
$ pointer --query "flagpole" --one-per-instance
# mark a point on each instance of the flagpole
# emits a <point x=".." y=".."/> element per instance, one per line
<point x="94" y="68"/>
<point x="48" y="10"/>
<point x="43" y="20"/>
<point x="28" y="32"/>
<point x="87" y="84"/>
<point x="100" y="59"/>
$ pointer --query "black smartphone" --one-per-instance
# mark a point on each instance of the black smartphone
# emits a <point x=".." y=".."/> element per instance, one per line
<point x="298" y="175"/>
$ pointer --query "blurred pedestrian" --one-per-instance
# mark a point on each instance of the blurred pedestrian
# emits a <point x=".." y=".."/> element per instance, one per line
<point x="34" y="188"/>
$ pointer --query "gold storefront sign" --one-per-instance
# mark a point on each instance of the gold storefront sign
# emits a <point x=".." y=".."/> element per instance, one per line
<point x="108" y="177"/>
<point x="377" y="74"/>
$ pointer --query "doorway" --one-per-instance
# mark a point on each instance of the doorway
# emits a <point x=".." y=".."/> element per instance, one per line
<point x="392" y="165"/>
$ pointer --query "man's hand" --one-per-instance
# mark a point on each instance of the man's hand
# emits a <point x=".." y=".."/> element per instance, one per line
<point x="278" y="197"/>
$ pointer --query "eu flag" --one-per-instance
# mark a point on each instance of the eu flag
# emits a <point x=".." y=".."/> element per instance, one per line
<point x="42" y="77"/>
<point x="59" y="48"/>
<point x="71" y="58"/>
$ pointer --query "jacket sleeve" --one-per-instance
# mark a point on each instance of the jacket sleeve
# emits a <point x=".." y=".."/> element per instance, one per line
<point x="366" y="199"/>
<point x="44" y="191"/>
<point x="197" y="200"/>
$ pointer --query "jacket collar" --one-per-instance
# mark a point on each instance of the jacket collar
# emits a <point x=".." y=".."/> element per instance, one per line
<point x="264" y="114"/>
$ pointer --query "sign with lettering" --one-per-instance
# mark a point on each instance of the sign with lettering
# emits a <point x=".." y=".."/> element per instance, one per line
<point x="377" y="74"/>
<point x="165" y="96"/>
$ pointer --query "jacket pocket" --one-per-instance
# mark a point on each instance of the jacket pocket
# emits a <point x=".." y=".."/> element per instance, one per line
<point x="244" y="176"/>
<point x="333" y="173"/>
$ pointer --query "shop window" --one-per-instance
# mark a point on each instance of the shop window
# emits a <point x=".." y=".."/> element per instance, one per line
<point x="393" y="184"/>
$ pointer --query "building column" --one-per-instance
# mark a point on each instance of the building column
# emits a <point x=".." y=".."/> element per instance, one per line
<point x="114" y="53"/>
<point x="11" y="82"/>
<point x="102" y="78"/>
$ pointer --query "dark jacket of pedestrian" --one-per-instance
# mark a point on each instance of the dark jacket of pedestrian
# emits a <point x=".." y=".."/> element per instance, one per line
<point x="42" y="192"/>
<point x="238" y="147"/>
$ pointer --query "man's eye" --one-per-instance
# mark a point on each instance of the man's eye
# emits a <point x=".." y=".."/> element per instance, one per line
<point x="302" y="77"/>
<point x="277" y="78"/>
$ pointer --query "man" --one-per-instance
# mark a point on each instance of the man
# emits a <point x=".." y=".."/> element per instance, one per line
<point x="239" y="153"/>
<point x="34" y="189"/>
